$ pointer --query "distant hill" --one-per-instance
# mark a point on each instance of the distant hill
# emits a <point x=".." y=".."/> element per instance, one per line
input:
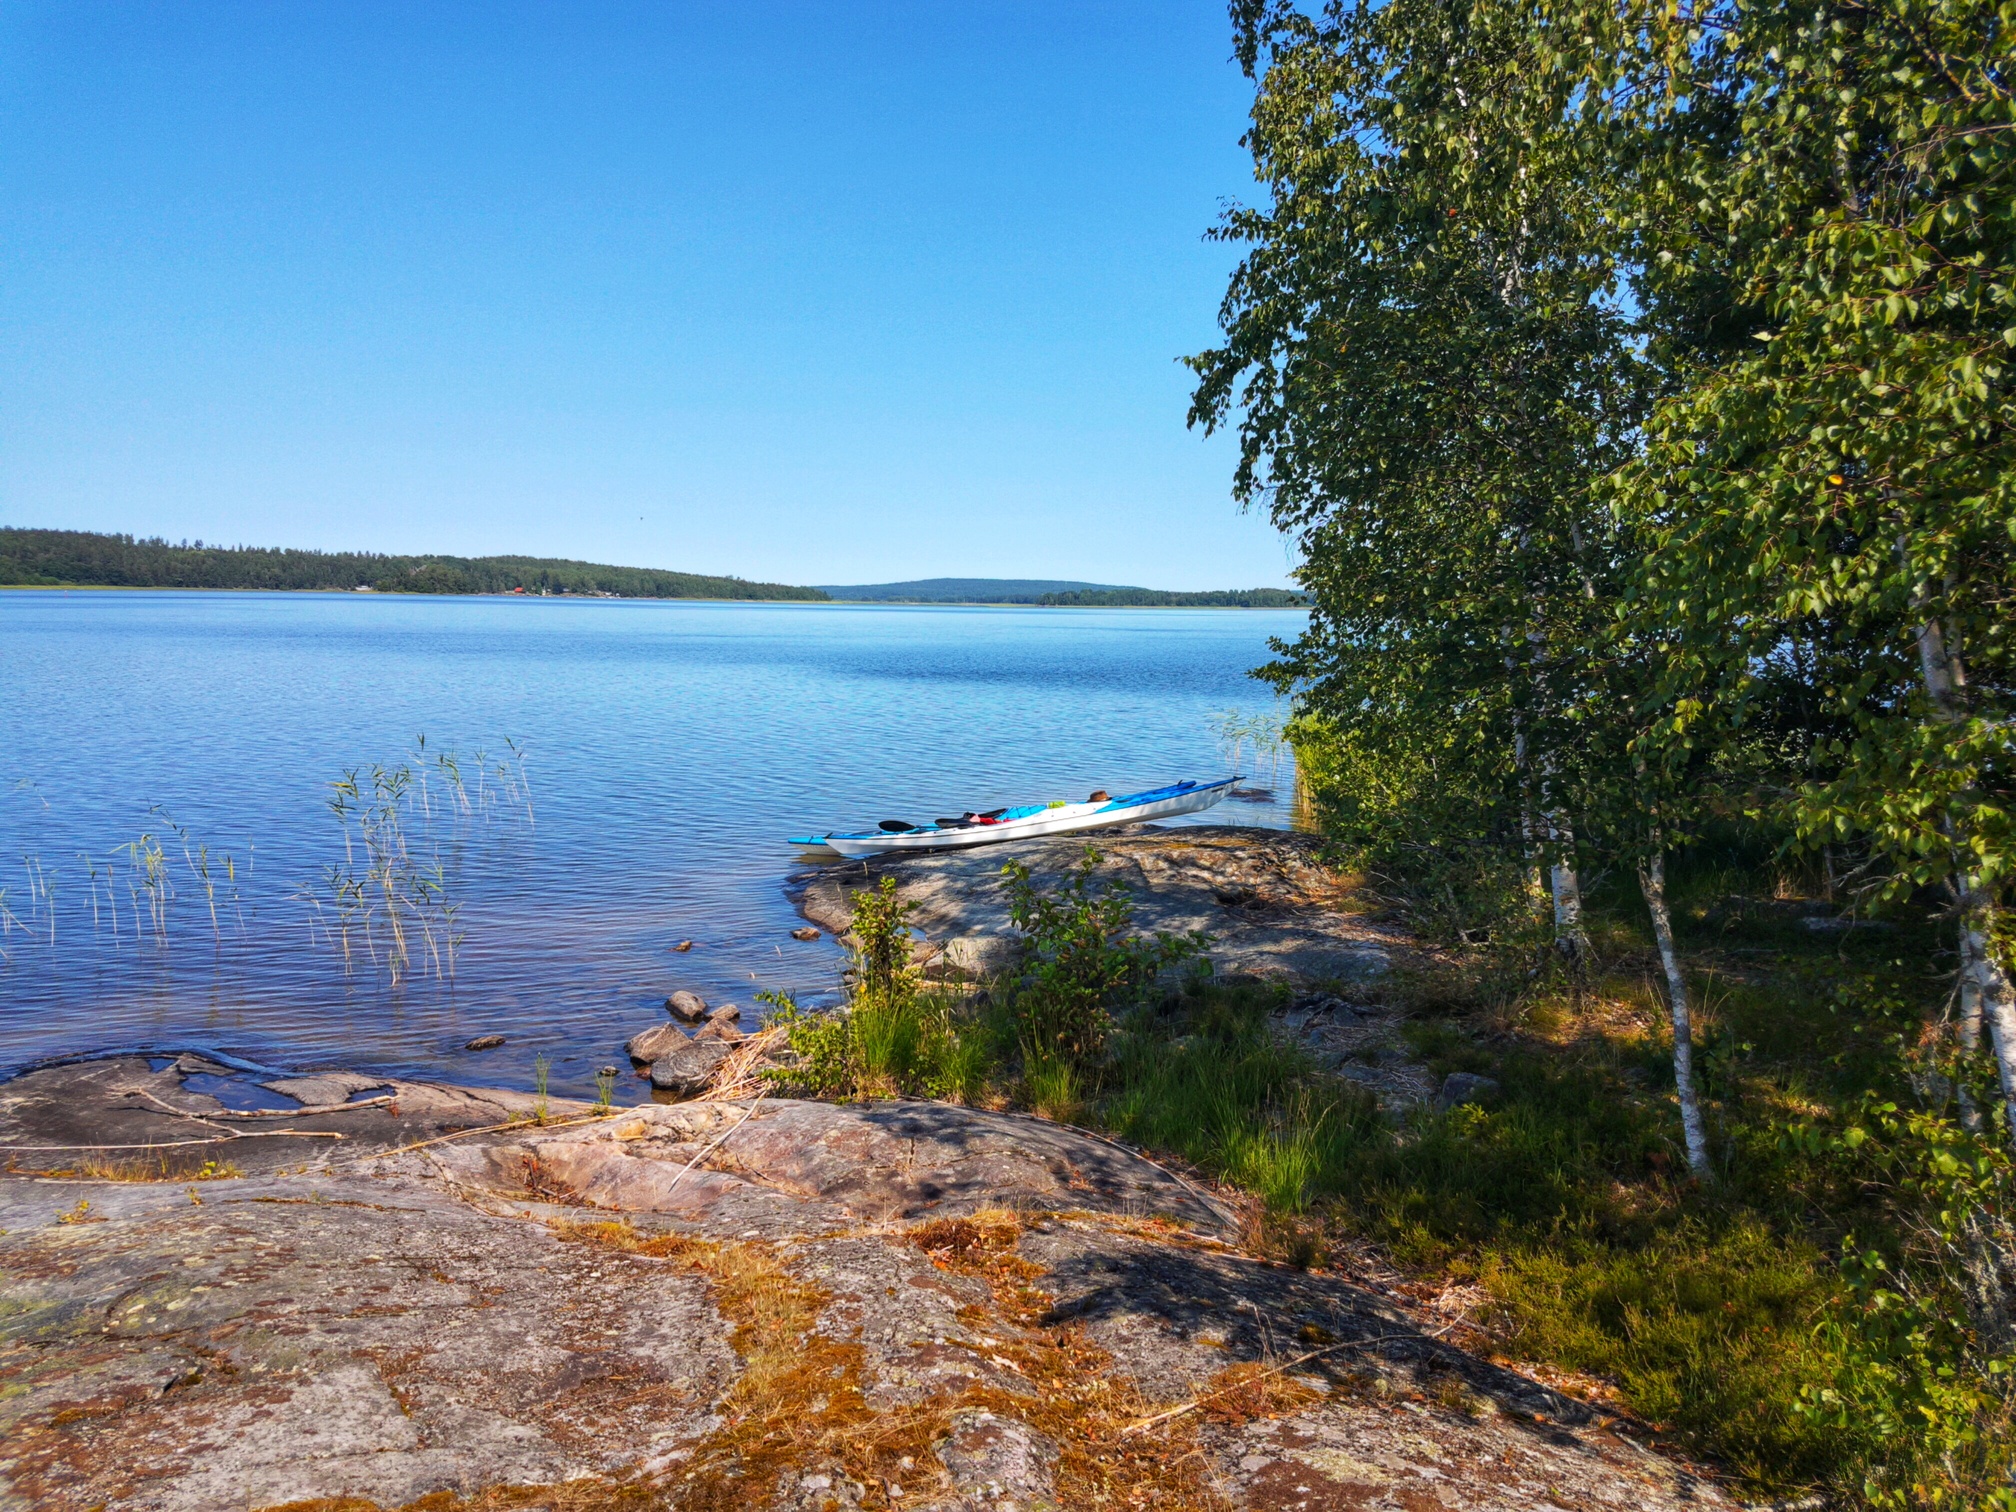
<point x="82" y="558"/>
<point x="962" y="591"/>
<point x="1155" y="598"/>
<point x="1058" y="594"/>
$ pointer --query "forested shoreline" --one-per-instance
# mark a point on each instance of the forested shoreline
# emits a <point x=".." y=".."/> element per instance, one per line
<point x="1635" y="382"/>
<point x="1155" y="598"/>
<point x="58" y="558"/>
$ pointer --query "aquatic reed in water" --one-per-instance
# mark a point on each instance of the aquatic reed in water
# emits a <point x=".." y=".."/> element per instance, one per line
<point x="390" y="897"/>
<point x="1265" y="732"/>
<point x="384" y="897"/>
<point x="389" y="900"/>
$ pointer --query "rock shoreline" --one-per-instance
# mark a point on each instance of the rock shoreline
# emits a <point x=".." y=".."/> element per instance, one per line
<point x="1274" y="910"/>
<point x="702" y="1304"/>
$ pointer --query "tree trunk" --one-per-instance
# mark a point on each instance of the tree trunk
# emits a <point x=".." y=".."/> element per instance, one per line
<point x="1652" y="880"/>
<point x="1986" y="993"/>
<point x="1569" y="937"/>
<point x="1970" y="1046"/>
<point x="1967" y="1032"/>
<point x="1529" y="839"/>
<point x="1986" y="981"/>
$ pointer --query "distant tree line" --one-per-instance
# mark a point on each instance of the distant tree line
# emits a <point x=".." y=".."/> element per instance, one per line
<point x="82" y="558"/>
<point x="1224" y="598"/>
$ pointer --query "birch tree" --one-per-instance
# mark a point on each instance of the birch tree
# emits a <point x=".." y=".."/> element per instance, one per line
<point x="1427" y="368"/>
<point x="1850" y="478"/>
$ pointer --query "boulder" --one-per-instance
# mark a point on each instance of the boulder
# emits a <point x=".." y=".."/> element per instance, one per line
<point x="1462" y="1087"/>
<point x="807" y="933"/>
<point x="687" y="1007"/>
<point x="655" y="1043"/>
<point x="729" y="1011"/>
<point x="688" y="1067"/>
<point x="721" y="1029"/>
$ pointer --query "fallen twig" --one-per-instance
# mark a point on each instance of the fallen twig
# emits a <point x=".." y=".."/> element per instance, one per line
<point x="736" y="1076"/>
<point x="723" y="1139"/>
<point x="308" y="1112"/>
<point x="223" y="1136"/>
<point x="1212" y="1204"/>
<point x="1195" y="1402"/>
<point x="516" y="1123"/>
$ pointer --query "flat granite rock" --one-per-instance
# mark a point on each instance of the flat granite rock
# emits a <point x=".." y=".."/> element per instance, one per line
<point x="776" y="1304"/>
<point x="1273" y="909"/>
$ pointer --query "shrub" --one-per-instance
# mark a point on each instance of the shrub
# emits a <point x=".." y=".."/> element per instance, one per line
<point x="1082" y="963"/>
<point x="894" y="1038"/>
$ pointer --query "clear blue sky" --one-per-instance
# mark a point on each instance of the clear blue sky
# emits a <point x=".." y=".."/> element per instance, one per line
<point x="813" y="292"/>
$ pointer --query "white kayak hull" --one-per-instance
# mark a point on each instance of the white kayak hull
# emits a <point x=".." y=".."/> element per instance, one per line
<point x="1062" y="819"/>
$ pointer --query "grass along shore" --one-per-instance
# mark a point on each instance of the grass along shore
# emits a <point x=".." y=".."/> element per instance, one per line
<point x="1791" y="1320"/>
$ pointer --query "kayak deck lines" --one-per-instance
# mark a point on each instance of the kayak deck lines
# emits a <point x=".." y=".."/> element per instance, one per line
<point x="1023" y="822"/>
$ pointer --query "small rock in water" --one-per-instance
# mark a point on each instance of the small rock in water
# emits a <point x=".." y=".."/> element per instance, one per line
<point x="485" y="1042"/>
<point x="807" y="933"/>
<point x="722" y="1029"/>
<point x="689" y="1007"/>
<point x="655" y="1043"/>
<point x="689" y="1067"/>
<point x="1461" y="1087"/>
<point x="725" y="1011"/>
<point x="610" y="1071"/>
<point x="683" y="946"/>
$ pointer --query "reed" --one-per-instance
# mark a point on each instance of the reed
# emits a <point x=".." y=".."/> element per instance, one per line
<point x="391" y="898"/>
<point x="1265" y="732"/>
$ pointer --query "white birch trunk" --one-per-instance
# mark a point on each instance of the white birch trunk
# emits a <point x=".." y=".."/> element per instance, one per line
<point x="1652" y="881"/>
<point x="1969" y="1036"/>
<point x="1529" y="840"/>
<point x="1986" y="981"/>
<point x="1566" y="887"/>
<point x="1987" y="995"/>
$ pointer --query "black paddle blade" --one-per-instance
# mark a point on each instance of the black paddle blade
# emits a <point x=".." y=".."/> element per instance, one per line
<point x="894" y="826"/>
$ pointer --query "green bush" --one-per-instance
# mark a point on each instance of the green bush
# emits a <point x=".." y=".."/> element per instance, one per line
<point x="895" y="1038"/>
<point x="1082" y="961"/>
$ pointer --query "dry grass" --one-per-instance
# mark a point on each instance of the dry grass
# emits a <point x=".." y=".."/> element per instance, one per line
<point x="799" y="1405"/>
<point x="160" y="1168"/>
<point x="742" y="1073"/>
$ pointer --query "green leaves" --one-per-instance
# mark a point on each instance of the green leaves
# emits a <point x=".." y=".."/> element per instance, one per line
<point x="1427" y="364"/>
<point x="1083" y="961"/>
<point x="1885" y="319"/>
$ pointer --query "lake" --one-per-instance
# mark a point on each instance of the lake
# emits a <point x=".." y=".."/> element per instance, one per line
<point x="599" y="780"/>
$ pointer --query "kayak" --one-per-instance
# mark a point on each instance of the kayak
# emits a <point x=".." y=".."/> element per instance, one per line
<point x="1025" y="823"/>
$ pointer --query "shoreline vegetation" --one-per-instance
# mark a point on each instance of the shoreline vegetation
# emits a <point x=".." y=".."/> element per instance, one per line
<point x="1766" y="1318"/>
<point x="1635" y="383"/>
<point x="92" y="559"/>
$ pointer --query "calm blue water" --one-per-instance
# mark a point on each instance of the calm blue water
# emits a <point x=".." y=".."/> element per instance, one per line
<point x="669" y="749"/>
